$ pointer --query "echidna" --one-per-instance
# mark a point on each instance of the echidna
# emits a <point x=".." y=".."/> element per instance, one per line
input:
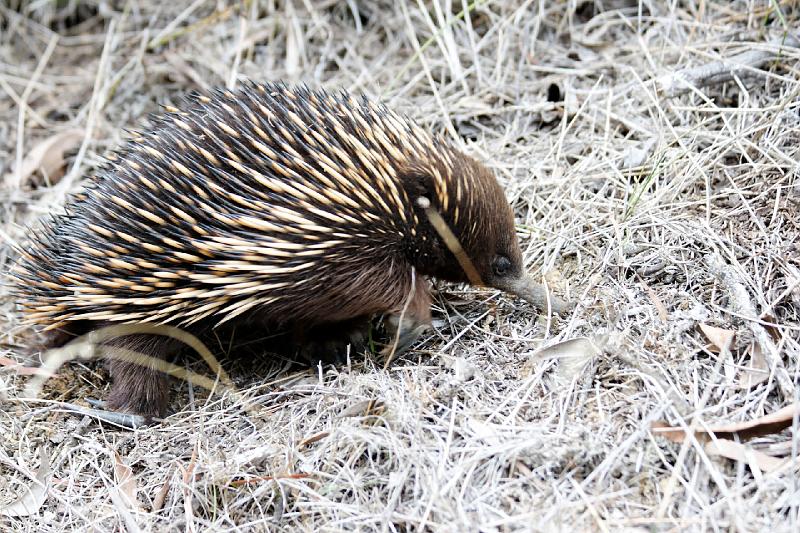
<point x="274" y="205"/>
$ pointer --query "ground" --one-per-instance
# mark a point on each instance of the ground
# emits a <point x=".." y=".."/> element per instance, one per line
<point x="653" y="185"/>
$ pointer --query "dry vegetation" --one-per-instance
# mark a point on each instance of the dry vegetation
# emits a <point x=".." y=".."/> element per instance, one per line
<point x="664" y="200"/>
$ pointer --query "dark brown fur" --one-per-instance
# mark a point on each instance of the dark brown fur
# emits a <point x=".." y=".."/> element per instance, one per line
<point x="272" y="206"/>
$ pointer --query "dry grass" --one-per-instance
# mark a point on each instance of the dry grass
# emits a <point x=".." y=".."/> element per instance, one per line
<point x="657" y="211"/>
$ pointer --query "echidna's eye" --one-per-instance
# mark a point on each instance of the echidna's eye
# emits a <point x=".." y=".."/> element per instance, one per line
<point x="501" y="265"/>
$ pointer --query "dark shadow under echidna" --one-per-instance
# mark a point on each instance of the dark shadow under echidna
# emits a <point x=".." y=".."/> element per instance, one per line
<point x="271" y="205"/>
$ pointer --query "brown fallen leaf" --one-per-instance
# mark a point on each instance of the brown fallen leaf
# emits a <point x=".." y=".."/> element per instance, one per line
<point x="188" y="482"/>
<point x="126" y="482"/>
<point x="720" y="338"/>
<point x="766" y="425"/>
<point x="47" y="157"/>
<point x="362" y="408"/>
<point x="657" y="303"/>
<point x="573" y="355"/>
<point x="35" y="495"/>
<point x="487" y="432"/>
<point x="161" y="495"/>
<point x="757" y="371"/>
<point x="740" y="452"/>
<point x="771" y="325"/>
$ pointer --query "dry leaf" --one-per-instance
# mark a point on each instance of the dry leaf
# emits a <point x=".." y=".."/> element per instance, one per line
<point x="123" y="495"/>
<point x="740" y="452"/>
<point x="47" y="157"/>
<point x="126" y="482"/>
<point x="771" y="325"/>
<point x="35" y="495"/>
<point x="362" y="408"/>
<point x="188" y="483"/>
<point x="766" y="425"/>
<point x="636" y="156"/>
<point x="463" y="370"/>
<point x="161" y="495"/>
<point x="573" y="355"/>
<point x="721" y="338"/>
<point x="659" y="305"/>
<point x="485" y="432"/>
<point x="124" y="512"/>
<point x="758" y="370"/>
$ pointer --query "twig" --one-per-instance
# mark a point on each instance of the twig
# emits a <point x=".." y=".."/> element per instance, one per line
<point x="744" y="64"/>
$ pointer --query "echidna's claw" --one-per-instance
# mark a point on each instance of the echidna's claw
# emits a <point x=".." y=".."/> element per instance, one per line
<point x="409" y="331"/>
<point x="124" y="420"/>
<point x="97" y="404"/>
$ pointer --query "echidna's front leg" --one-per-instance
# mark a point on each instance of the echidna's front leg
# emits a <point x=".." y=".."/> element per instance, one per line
<point x="138" y="387"/>
<point x="328" y="343"/>
<point x="406" y="323"/>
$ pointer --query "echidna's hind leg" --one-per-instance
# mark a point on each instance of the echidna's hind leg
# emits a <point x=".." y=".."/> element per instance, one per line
<point x="139" y="388"/>
<point x="329" y="343"/>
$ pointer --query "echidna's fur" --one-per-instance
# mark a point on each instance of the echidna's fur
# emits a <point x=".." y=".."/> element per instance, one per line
<point x="270" y="204"/>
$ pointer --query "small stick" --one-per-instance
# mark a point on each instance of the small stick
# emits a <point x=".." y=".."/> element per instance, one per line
<point x="716" y="72"/>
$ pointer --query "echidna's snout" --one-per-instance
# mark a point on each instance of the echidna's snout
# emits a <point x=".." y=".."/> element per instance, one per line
<point x="527" y="288"/>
